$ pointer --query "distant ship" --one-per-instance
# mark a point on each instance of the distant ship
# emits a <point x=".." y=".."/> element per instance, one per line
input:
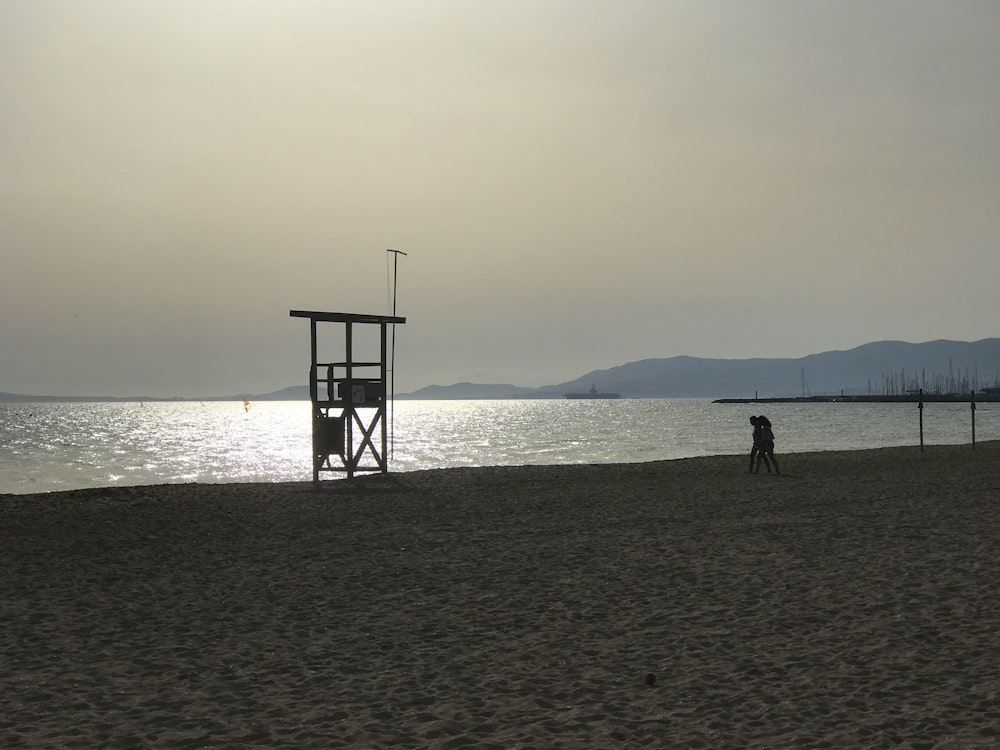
<point x="593" y="394"/>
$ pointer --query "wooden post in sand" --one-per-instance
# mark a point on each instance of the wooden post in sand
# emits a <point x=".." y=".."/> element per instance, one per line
<point x="972" y="403"/>
<point x="920" y="407"/>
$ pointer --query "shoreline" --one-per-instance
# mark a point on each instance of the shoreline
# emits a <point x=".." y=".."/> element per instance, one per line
<point x="927" y="398"/>
<point x="850" y="601"/>
<point x="363" y="476"/>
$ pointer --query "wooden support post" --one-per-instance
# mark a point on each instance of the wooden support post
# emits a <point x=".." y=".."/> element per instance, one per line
<point x="386" y="446"/>
<point x="349" y="412"/>
<point x="972" y="403"/>
<point x="920" y="407"/>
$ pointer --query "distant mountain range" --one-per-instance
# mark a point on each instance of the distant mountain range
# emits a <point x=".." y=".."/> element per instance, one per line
<point x="882" y="367"/>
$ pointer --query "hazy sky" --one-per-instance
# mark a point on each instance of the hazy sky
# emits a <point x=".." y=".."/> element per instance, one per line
<point x="578" y="183"/>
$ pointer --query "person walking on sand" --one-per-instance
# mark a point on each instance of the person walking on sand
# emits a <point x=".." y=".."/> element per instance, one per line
<point x="766" y="450"/>
<point x="758" y="435"/>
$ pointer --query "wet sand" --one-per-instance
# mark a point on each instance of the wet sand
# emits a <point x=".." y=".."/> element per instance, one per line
<point x="851" y="602"/>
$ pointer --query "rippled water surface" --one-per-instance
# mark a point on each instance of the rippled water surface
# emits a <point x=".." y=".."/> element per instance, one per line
<point x="55" y="446"/>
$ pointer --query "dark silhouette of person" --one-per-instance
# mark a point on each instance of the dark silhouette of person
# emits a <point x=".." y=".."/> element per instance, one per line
<point x="766" y="446"/>
<point x="758" y="435"/>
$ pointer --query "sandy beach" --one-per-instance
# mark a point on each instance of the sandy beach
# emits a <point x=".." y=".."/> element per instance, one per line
<point x="851" y="602"/>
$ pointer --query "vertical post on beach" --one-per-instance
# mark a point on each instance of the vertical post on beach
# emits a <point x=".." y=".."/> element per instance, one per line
<point x="920" y="407"/>
<point x="972" y="403"/>
<point x="351" y="460"/>
<point x="313" y="397"/>
<point x="383" y="367"/>
<point x="392" y="355"/>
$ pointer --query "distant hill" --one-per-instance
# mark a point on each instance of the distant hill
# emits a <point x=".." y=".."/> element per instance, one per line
<point x="879" y="368"/>
<point x="470" y="391"/>
<point x="292" y="393"/>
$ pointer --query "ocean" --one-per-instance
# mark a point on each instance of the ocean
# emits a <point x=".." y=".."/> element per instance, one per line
<point x="63" y="446"/>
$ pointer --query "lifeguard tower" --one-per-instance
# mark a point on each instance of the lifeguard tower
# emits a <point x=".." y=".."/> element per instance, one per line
<point x="349" y="430"/>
